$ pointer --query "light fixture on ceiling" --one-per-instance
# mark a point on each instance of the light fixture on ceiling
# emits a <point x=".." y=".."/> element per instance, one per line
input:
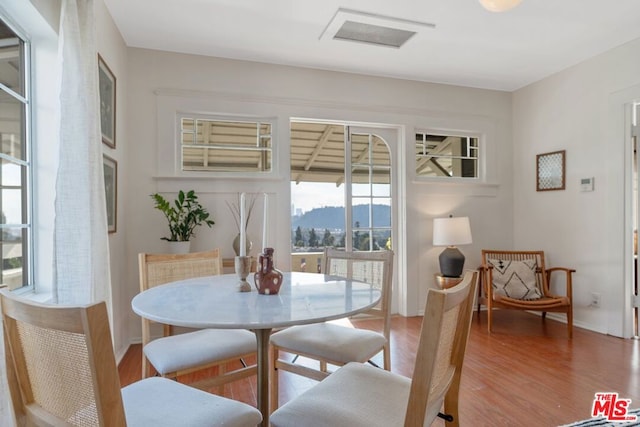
<point x="499" y="5"/>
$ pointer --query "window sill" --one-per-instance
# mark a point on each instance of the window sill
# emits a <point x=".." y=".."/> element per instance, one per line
<point x="29" y="294"/>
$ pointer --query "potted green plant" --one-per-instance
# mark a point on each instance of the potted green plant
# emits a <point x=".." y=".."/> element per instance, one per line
<point x="183" y="215"/>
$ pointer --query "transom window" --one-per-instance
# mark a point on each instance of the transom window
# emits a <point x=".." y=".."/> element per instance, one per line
<point x="448" y="156"/>
<point x="15" y="223"/>
<point x="210" y="145"/>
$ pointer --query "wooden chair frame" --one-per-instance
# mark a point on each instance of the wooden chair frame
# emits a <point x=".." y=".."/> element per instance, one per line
<point x="61" y="371"/>
<point x="90" y="322"/>
<point x="195" y="264"/>
<point x="424" y="383"/>
<point x="435" y="381"/>
<point x="382" y="310"/>
<point x="549" y="301"/>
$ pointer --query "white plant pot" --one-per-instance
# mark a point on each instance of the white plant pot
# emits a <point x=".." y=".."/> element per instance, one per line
<point x="179" y="247"/>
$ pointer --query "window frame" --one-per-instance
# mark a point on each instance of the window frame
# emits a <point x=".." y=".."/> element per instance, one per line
<point x="390" y="137"/>
<point x="369" y="197"/>
<point x="180" y="171"/>
<point x="481" y="152"/>
<point x="28" y="284"/>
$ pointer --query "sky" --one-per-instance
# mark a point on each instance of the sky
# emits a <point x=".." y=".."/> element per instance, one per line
<point x="11" y="199"/>
<point x="309" y="195"/>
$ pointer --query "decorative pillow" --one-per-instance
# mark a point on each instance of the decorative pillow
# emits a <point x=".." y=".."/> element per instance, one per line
<point x="515" y="279"/>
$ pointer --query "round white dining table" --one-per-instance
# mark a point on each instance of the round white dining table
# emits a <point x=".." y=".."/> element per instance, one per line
<point x="215" y="302"/>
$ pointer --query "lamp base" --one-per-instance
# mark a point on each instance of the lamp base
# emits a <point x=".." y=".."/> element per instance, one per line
<point x="451" y="262"/>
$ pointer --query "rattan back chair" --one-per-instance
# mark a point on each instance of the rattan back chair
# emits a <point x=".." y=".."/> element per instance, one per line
<point x="179" y="354"/>
<point x="336" y="344"/>
<point x="358" y="395"/>
<point x="61" y="371"/>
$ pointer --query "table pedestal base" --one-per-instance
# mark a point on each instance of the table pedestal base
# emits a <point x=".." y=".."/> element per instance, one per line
<point x="262" y="337"/>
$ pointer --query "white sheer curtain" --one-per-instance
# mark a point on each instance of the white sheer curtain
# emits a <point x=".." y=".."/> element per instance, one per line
<point x="81" y="251"/>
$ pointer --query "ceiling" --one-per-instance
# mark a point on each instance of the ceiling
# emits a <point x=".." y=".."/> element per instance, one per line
<point x="469" y="46"/>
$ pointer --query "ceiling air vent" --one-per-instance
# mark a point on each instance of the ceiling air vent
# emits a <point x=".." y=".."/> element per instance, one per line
<point x="362" y="27"/>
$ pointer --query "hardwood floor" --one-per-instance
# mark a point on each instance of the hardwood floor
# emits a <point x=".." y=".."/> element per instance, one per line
<point x="526" y="373"/>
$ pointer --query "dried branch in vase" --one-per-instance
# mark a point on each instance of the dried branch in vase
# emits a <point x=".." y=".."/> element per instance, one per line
<point x="234" y="207"/>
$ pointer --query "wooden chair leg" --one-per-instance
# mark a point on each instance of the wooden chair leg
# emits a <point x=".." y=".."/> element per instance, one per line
<point x="222" y="369"/>
<point x="147" y="369"/>
<point x="451" y="406"/>
<point x="386" y="354"/>
<point x="273" y="380"/>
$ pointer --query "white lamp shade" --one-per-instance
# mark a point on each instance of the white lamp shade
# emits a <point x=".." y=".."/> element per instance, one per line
<point x="499" y="5"/>
<point x="451" y="231"/>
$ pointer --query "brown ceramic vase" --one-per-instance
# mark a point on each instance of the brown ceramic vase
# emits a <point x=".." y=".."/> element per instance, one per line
<point x="267" y="279"/>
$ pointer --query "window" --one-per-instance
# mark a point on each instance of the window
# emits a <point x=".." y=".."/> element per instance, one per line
<point x="210" y="145"/>
<point x="446" y="155"/>
<point x="15" y="221"/>
<point x="340" y="190"/>
<point x="371" y="192"/>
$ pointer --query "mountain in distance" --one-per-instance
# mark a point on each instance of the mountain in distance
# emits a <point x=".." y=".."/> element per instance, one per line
<point x="332" y="217"/>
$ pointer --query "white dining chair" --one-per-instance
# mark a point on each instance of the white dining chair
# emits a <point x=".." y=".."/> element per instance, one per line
<point x="358" y="395"/>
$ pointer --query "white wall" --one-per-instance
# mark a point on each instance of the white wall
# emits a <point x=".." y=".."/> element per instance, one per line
<point x="112" y="49"/>
<point x="214" y="85"/>
<point x="580" y="110"/>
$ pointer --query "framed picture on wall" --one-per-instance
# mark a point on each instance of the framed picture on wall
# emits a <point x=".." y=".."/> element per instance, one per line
<point x="550" y="171"/>
<point x="110" y="168"/>
<point x="107" y="91"/>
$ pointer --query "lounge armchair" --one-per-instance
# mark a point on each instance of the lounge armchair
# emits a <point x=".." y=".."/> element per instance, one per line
<point x="519" y="280"/>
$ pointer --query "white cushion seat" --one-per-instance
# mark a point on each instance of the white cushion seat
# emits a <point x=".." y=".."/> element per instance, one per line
<point x="356" y="395"/>
<point x="331" y="342"/>
<point x="183" y="351"/>
<point x="155" y="402"/>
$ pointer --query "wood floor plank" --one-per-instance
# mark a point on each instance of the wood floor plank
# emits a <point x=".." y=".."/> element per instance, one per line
<point x="526" y="373"/>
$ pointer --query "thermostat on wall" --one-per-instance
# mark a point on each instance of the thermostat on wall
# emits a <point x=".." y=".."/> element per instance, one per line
<point x="586" y="184"/>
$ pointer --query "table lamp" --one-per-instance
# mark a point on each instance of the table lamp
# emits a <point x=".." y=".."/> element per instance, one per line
<point x="451" y="232"/>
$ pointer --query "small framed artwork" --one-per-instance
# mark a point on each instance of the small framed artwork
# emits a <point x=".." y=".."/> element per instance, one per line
<point x="550" y="171"/>
<point x="107" y="90"/>
<point x="110" y="168"/>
